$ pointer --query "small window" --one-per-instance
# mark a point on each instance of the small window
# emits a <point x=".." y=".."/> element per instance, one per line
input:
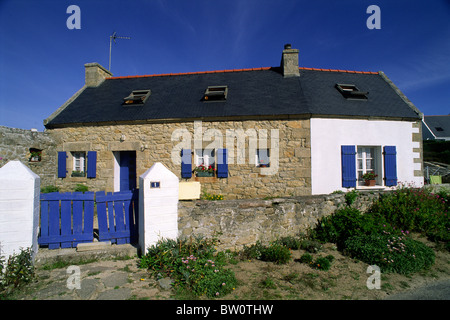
<point x="368" y="164"/>
<point x="439" y="129"/>
<point x="137" y="97"/>
<point x="205" y="163"/>
<point x="205" y="157"/>
<point x="216" y="93"/>
<point x="35" y="155"/>
<point x="79" y="164"/>
<point x="263" y="158"/>
<point x="350" y="91"/>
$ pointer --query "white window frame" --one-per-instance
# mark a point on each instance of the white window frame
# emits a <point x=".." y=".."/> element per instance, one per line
<point x="206" y="159"/>
<point x="376" y="163"/>
<point x="81" y="157"/>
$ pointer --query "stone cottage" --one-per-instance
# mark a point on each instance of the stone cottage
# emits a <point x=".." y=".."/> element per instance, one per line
<point x="262" y="132"/>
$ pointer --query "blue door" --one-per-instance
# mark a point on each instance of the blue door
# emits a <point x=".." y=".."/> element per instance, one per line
<point x="127" y="170"/>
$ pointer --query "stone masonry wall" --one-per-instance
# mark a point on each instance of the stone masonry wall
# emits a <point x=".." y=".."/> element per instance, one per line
<point x="153" y="143"/>
<point x="15" y="144"/>
<point x="243" y="222"/>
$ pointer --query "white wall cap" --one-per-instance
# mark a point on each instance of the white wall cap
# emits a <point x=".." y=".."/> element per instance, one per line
<point x="159" y="172"/>
<point x="16" y="170"/>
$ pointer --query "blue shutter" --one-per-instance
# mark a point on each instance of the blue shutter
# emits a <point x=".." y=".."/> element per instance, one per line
<point x="186" y="163"/>
<point x="390" y="166"/>
<point x="222" y="163"/>
<point x="348" y="166"/>
<point x="92" y="164"/>
<point x="61" y="164"/>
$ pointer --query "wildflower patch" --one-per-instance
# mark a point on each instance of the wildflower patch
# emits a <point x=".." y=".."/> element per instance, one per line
<point x="392" y="253"/>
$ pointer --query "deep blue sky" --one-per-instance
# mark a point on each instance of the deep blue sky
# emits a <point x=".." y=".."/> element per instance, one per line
<point x="42" y="61"/>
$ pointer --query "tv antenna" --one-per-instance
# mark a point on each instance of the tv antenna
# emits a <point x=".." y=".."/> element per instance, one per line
<point x="112" y="37"/>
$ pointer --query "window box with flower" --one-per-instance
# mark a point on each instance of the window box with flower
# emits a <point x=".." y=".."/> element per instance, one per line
<point x="203" y="171"/>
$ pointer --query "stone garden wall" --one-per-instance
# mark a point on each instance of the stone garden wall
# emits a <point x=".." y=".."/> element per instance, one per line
<point x="15" y="144"/>
<point x="243" y="222"/>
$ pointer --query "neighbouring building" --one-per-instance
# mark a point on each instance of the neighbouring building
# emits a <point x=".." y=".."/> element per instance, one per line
<point x="263" y="132"/>
<point x="436" y="128"/>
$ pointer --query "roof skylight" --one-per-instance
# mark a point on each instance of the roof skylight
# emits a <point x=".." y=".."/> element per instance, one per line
<point x="137" y="97"/>
<point x="216" y="93"/>
<point x="350" y="91"/>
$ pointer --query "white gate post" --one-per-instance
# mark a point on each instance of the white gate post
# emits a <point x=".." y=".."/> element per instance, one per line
<point x="19" y="208"/>
<point x="158" y="206"/>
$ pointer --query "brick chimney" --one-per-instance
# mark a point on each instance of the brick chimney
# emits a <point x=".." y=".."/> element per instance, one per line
<point x="95" y="74"/>
<point x="289" y="62"/>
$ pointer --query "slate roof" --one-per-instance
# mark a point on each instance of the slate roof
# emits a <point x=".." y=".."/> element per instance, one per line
<point x="439" y="125"/>
<point x="261" y="92"/>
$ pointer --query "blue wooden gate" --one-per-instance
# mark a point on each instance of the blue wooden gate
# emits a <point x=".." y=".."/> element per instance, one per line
<point x="117" y="215"/>
<point x="66" y="219"/>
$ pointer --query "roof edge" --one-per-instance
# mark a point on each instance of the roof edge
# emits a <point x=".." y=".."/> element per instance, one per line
<point x="234" y="70"/>
<point x="64" y="106"/>
<point x="400" y="94"/>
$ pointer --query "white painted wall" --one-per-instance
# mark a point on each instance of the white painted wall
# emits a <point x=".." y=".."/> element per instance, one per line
<point x="116" y="171"/>
<point x="158" y="207"/>
<point x="19" y="208"/>
<point x="328" y="135"/>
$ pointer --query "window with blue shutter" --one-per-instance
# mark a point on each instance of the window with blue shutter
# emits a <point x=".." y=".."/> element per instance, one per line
<point x="92" y="164"/>
<point x="62" y="164"/>
<point x="348" y="154"/>
<point x="222" y="163"/>
<point x="186" y="163"/>
<point x="390" y="166"/>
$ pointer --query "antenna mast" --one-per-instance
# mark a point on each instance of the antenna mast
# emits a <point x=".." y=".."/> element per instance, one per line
<point x="114" y="36"/>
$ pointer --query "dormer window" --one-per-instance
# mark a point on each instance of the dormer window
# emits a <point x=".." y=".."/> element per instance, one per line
<point x="137" y="97"/>
<point x="216" y="93"/>
<point x="350" y="91"/>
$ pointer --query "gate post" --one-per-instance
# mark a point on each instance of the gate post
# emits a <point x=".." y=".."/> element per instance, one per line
<point x="158" y="206"/>
<point x="19" y="208"/>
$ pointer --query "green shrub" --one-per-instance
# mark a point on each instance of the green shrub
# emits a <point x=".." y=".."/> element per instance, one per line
<point x="253" y="251"/>
<point x="306" y="258"/>
<point x="350" y="197"/>
<point x="322" y="264"/>
<point x="17" y="271"/>
<point x="81" y="188"/>
<point x="392" y="253"/>
<point x="311" y="246"/>
<point x="348" y="222"/>
<point x="48" y="189"/>
<point x="191" y="264"/>
<point x="276" y="253"/>
<point x="417" y="210"/>
<point x="205" y="277"/>
<point x="290" y="242"/>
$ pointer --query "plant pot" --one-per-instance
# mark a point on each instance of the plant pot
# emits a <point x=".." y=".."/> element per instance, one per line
<point x="205" y="174"/>
<point x="370" y="183"/>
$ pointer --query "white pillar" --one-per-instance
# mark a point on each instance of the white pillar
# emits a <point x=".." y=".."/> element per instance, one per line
<point x="19" y="208"/>
<point x="158" y="206"/>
